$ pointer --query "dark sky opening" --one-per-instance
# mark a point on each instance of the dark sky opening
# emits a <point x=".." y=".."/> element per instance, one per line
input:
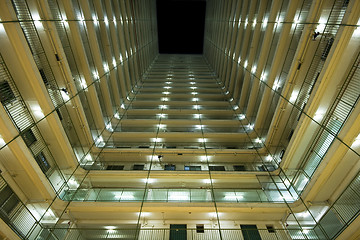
<point x="181" y="26"/>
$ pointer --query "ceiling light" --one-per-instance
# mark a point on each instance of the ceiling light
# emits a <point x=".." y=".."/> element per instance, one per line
<point x="276" y="85"/>
<point x="2" y="141"/>
<point x="106" y="67"/>
<point x="161" y="126"/>
<point x="178" y="196"/>
<point x="250" y="126"/>
<point x="149" y="180"/>
<point x="83" y="83"/>
<point x="100" y="142"/>
<point x="96" y="75"/>
<point x="263" y="76"/>
<point x="207" y="181"/>
<point x="293" y="96"/>
<point x="161" y="115"/>
<point x="95" y="20"/>
<point x="241" y="116"/>
<point x="156" y="140"/>
<point x="65" y="95"/>
<point x="109" y="127"/>
<point x="37" y="21"/>
<point x="36" y="109"/>
<point x="110" y="227"/>
<point x="253" y="69"/>
<point x="319" y="115"/>
<point x="265" y="21"/>
<point x="356" y="142"/>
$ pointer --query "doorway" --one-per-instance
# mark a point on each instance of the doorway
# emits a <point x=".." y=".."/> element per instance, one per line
<point x="250" y="232"/>
<point x="178" y="232"/>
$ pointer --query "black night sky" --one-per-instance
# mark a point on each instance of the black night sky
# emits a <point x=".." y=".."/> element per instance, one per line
<point x="181" y="26"/>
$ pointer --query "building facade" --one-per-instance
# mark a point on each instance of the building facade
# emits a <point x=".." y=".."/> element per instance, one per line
<point x="102" y="137"/>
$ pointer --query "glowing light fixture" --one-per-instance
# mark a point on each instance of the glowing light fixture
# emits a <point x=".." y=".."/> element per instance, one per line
<point x="293" y="96"/>
<point x="106" y="67"/>
<point x="2" y="141"/>
<point x="241" y="116"/>
<point x="265" y="22"/>
<point x="109" y="127"/>
<point x="253" y="69"/>
<point x="276" y="85"/>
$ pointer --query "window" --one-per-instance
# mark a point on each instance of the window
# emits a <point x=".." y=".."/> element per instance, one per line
<point x="216" y="168"/>
<point x="200" y="228"/>
<point x="170" y="167"/>
<point x="43" y="76"/>
<point x="8" y="200"/>
<point x="192" y="168"/>
<point x="59" y="114"/>
<point x="291" y="134"/>
<point x="239" y="168"/>
<point x="138" y="167"/>
<point x="29" y="137"/>
<point x="42" y="162"/>
<point x="270" y="228"/>
<point x="6" y="94"/>
<point x="327" y="48"/>
<point x="264" y="168"/>
<point x="115" y="167"/>
<point x="250" y="232"/>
